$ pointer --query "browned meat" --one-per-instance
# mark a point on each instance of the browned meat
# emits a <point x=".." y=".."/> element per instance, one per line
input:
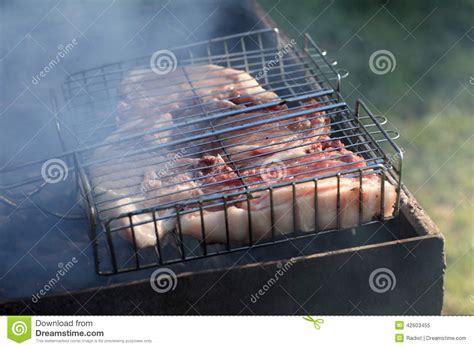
<point x="213" y="87"/>
<point x="185" y="179"/>
<point x="295" y="206"/>
<point x="210" y="177"/>
<point x="126" y="183"/>
<point x="272" y="140"/>
<point x="262" y="148"/>
<point x="322" y="158"/>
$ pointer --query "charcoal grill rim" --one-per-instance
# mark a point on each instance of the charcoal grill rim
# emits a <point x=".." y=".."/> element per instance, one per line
<point x="423" y="226"/>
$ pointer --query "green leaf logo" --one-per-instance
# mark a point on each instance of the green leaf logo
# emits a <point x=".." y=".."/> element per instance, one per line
<point x="316" y="322"/>
<point x="19" y="328"/>
<point x="399" y="338"/>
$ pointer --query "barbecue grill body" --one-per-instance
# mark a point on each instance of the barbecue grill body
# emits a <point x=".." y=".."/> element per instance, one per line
<point x="323" y="282"/>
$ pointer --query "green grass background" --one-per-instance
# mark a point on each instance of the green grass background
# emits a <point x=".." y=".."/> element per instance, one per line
<point x="428" y="98"/>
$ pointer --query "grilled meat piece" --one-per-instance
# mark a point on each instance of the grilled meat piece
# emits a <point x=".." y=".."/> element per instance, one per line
<point x="269" y="147"/>
<point x="145" y="181"/>
<point x="188" y="91"/>
<point x="306" y="219"/>
<point x="211" y="177"/>
<point x="294" y="206"/>
<point x="269" y="135"/>
<point x="322" y="158"/>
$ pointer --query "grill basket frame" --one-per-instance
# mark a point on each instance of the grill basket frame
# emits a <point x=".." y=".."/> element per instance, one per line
<point x="324" y="79"/>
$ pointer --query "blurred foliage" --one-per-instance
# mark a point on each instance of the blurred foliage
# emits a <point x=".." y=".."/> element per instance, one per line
<point x="428" y="97"/>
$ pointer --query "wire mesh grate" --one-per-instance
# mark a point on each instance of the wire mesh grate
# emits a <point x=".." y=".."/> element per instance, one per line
<point x="245" y="143"/>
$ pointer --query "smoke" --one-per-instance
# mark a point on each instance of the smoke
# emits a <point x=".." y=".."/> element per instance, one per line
<point x="41" y="43"/>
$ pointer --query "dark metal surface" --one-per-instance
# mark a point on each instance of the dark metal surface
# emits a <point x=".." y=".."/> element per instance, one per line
<point x="326" y="282"/>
